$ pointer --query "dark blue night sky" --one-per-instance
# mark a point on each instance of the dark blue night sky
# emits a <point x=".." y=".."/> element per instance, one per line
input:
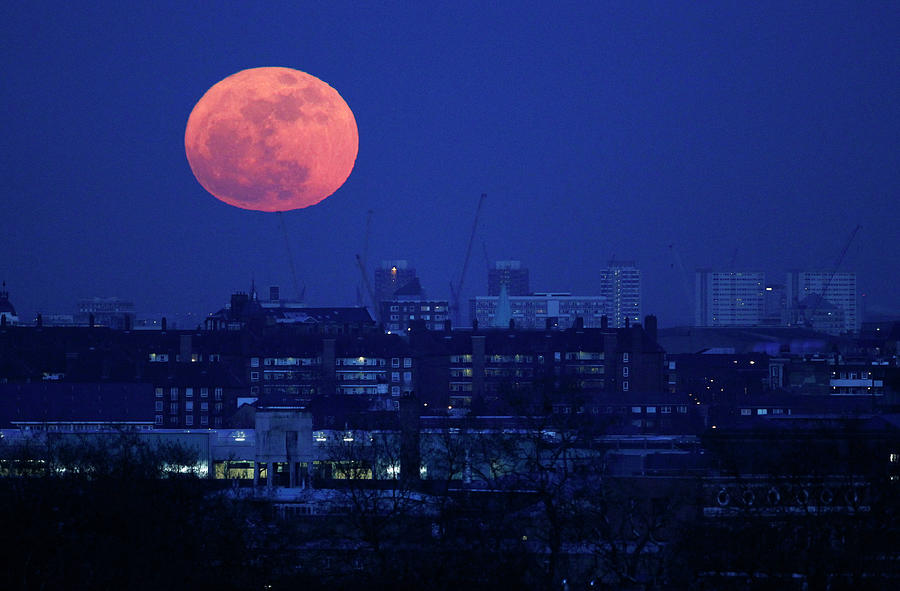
<point x="747" y="132"/>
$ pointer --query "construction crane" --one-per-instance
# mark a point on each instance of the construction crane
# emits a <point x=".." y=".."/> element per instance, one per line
<point x="456" y="291"/>
<point x="368" y="285"/>
<point x="287" y="244"/>
<point x="837" y="264"/>
<point x="364" y="259"/>
<point x="682" y="273"/>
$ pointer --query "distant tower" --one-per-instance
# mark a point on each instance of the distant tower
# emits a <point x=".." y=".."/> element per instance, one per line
<point x="391" y="276"/>
<point x="620" y="284"/>
<point x="512" y="275"/>
<point x="8" y="314"/>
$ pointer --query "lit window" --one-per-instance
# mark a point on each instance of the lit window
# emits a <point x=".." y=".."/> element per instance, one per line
<point x="189" y="406"/>
<point x="173" y="408"/>
<point x="624" y="372"/>
<point x="745" y="412"/>
<point x="625" y="386"/>
<point x="218" y="393"/>
<point x="189" y="420"/>
<point x="159" y="392"/>
<point x="204" y="392"/>
<point x="407" y="362"/>
<point x="189" y="392"/>
<point x="651" y="410"/>
<point x="395" y="376"/>
<point x="159" y="420"/>
<point x="761" y="411"/>
<point x="636" y="410"/>
<point x="159" y="405"/>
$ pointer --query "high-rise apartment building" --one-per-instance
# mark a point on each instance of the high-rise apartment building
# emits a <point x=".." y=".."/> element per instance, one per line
<point x="620" y="284"/>
<point x="729" y="298"/>
<point x="838" y="289"/>
<point x="391" y="276"/>
<point x="511" y="274"/>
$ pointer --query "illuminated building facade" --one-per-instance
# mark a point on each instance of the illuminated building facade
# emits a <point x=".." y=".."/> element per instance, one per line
<point x="620" y="284"/>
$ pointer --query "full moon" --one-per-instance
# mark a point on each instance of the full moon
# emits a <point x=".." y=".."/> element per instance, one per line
<point x="271" y="139"/>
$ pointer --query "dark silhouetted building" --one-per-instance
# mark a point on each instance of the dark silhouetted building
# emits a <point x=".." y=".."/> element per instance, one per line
<point x="8" y="314"/>
<point x="409" y="305"/>
<point x="391" y="276"/>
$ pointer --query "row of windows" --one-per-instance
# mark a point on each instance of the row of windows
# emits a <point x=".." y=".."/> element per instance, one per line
<point x="194" y="358"/>
<point x="174" y="407"/>
<point x="189" y="393"/>
<point x="746" y="412"/>
<point x="279" y="361"/>
<point x="650" y="410"/>
<point x="189" y="421"/>
<point x="423" y="308"/>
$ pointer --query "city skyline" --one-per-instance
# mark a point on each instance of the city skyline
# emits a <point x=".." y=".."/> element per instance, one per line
<point x="679" y="137"/>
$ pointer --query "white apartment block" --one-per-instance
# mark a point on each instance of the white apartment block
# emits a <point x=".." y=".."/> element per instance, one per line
<point x="729" y="298"/>
<point x="620" y="284"/>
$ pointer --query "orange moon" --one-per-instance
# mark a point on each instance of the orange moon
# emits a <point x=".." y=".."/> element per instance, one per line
<point x="271" y="139"/>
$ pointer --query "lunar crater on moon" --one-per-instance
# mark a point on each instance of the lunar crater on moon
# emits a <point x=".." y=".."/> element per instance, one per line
<point x="271" y="139"/>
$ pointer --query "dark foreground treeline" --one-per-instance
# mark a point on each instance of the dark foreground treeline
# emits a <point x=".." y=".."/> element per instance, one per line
<point x="119" y="513"/>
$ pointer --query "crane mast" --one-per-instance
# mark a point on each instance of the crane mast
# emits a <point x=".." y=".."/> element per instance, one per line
<point x="456" y="291"/>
